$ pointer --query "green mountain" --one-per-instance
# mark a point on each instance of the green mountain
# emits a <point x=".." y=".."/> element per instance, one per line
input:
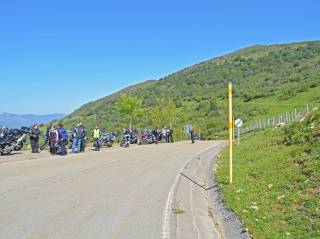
<point x="267" y="80"/>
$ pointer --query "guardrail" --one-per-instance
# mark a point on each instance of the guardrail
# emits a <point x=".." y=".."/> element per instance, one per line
<point x="280" y="120"/>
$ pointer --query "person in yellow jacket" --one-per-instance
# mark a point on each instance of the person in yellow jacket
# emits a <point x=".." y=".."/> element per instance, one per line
<point x="96" y="134"/>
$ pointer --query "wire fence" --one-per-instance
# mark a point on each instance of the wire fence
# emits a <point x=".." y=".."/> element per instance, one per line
<point x="280" y="120"/>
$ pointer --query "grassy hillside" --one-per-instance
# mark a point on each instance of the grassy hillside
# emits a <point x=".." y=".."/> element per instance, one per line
<point x="276" y="180"/>
<point x="266" y="80"/>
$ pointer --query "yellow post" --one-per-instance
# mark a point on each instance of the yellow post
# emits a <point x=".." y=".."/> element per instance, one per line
<point x="233" y="129"/>
<point x="230" y="131"/>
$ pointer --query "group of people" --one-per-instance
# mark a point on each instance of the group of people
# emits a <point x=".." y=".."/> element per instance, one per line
<point x="57" y="137"/>
<point x="167" y="135"/>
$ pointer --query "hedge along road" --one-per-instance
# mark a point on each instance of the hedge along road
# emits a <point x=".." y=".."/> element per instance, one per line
<point x="118" y="193"/>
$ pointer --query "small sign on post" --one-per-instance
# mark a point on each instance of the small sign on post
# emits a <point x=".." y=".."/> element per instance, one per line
<point x="187" y="128"/>
<point x="238" y="123"/>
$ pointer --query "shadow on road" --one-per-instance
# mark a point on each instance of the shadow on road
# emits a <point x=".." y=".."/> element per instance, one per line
<point x="199" y="185"/>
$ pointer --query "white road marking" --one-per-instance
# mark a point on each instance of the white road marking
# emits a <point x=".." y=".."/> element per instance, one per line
<point x="192" y="207"/>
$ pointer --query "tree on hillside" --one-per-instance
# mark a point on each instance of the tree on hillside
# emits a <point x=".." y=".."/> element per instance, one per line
<point x="129" y="107"/>
<point x="163" y="114"/>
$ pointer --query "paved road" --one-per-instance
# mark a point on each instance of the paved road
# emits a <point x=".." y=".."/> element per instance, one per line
<point x="114" y="194"/>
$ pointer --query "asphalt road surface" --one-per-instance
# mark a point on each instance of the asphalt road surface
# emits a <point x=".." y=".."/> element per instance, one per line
<point x="116" y="194"/>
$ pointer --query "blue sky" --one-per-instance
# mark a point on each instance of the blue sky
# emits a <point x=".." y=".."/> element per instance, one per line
<point x="57" y="55"/>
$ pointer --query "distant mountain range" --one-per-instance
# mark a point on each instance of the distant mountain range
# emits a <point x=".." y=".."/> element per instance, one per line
<point x="17" y="121"/>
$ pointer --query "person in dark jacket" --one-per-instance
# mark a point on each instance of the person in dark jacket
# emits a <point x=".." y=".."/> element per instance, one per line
<point x="34" y="138"/>
<point x="63" y="139"/>
<point x="192" y="135"/>
<point x="168" y="135"/>
<point x="84" y="137"/>
<point x="53" y="137"/>
<point x="155" y="135"/>
<point x="78" y="134"/>
<point x="171" y="135"/>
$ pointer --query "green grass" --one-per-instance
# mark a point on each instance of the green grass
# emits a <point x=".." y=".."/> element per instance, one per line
<point x="276" y="184"/>
<point x="274" y="107"/>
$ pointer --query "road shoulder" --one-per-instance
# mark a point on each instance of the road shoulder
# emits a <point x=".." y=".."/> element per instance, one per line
<point x="198" y="209"/>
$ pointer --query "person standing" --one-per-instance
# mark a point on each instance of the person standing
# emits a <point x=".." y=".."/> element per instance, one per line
<point x="84" y="137"/>
<point x="96" y="134"/>
<point x="53" y="137"/>
<point x="77" y="138"/>
<point x="156" y="133"/>
<point x="164" y="135"/>
<point x="171" y="135"/>
<point x="63" y="139"/>
<point x="168" y="135"/>
<point x="34" y="138"/>
<point x="192" y="135"/>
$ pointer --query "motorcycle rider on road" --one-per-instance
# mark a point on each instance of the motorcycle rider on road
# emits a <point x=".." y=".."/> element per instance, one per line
<point x="34" y="138"/>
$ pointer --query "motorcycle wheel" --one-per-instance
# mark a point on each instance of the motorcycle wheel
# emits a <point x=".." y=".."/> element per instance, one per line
<point x="19" y="146"/>
<point x="43" y="147"/>
<point x="6" y="152"/>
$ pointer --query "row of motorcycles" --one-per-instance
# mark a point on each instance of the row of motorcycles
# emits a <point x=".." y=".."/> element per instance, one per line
<point x="143" y="138"/>
<point x="12" y="139"/>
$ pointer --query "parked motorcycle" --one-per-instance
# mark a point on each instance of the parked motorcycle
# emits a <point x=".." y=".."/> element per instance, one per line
<point x="5" y="147"/>
<point x="107" y="139"/>
<point x="12" y="139"/>
<point x="147" y="137"/>
<point x="19" y="137"/>
<point x="125" y="141"/>
<point x="134" y="135"/>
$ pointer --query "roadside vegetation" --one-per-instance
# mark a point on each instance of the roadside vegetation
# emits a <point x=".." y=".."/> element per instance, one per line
<point x="276" y="189"/>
